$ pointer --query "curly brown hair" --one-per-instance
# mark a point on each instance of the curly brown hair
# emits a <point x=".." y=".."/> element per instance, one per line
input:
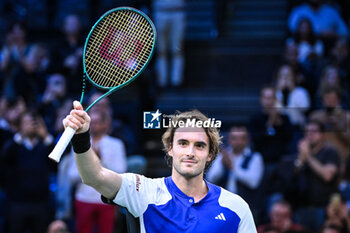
<point x="212" y="132"/>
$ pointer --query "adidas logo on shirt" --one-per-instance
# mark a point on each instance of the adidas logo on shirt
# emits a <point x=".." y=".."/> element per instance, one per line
<point x="221" y="217"/>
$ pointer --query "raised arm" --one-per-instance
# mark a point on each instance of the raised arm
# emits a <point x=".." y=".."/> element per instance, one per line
<point x="92" y="173"/>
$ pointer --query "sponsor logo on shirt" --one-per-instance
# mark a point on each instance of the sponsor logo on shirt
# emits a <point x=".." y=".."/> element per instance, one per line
<point x="138" y="183"/>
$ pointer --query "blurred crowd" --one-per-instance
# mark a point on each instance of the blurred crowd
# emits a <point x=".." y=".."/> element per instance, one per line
<point x="290" y="163"/>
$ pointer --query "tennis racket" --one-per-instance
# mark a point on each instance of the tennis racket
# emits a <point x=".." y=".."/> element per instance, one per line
<point x="116" y="51"/>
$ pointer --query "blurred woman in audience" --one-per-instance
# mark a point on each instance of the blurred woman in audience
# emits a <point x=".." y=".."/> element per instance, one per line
<point x="309" y="46"/>
<point x="293" y="100"/>
<point x="330" y="78"/>
<point x="337" y="214"/>
<point x="13" y="54"/>
<point x="53" y="98"/>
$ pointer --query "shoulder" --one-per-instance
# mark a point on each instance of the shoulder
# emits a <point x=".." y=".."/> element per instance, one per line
<point x="142" y="184"/>
<point x="233" y="202"/>
<point x="132" y="177"/>
<point x="325" y="8"/>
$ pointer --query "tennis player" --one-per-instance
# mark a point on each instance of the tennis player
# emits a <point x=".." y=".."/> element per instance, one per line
<point x="183" y="202"/>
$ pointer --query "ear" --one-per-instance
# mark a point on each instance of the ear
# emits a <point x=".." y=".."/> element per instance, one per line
<point x="210" y="157"/>
<point x="170" y="151"/>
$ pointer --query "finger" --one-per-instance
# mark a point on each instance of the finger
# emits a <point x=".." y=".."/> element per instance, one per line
<point x="79" y="115"/>
<point x="77" y="105"/>
<point x="75" y="121"/>
<point x="72" y="122"/>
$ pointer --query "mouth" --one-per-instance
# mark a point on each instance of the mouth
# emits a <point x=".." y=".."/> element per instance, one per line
<point x="189" y="161"/>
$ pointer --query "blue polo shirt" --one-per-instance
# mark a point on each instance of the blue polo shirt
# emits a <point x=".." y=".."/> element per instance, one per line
<point x="162" y="207"/>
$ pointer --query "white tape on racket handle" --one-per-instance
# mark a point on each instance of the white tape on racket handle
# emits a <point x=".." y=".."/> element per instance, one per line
<point x="62" y="144"/>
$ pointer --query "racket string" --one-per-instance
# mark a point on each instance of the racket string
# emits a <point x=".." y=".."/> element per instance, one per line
<point x="117" y="66"/>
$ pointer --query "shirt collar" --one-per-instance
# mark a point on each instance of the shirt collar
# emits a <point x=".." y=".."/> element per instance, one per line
<point x="173" y="189"/>
<point x="28" y="144"/>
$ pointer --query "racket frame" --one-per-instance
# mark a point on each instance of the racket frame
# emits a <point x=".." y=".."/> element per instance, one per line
<point x="112" y="89"/>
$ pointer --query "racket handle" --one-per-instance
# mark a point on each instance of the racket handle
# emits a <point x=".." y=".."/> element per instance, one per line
<point x="62" y="144"/>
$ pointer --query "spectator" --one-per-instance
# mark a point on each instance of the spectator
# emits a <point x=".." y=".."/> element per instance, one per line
<point x="27" y="79"/>
<point x="12" y="117"/>
<point x="302" y="73"/>
<point x="337" y="213"/>
<point x="281" y="219"/>
<point x="13" y="55"/>
<point x="88" y="205"/>
<point x="53" y="98"/>
<point x="292" y="100"/>
<point x="317" y="167"/>
<point x="271" y="133"/>
<point x="270" y="130"/>
<point x="16" y="45"/>
<point x="69" y="52"/>
<point x="331" y="79"/>
<point x="118" y="128"/>
<point x="27" y="175"/>
<point x="325" y="20"/>
<point x="336" y="121"/>
<point x="169" y="18"/>
<point x="309" y="47"/>
<point x="241" y="170"/>
<point x="341" y="59"/>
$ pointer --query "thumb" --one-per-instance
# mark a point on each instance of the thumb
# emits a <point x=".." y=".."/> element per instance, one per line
<point x="77" y="105"/>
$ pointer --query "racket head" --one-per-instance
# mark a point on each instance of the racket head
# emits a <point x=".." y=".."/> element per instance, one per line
<point x="118" y="48"/>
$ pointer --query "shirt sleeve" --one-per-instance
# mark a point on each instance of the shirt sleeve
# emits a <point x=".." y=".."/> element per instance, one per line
<point x="137" y="192"/>
<point x="247" y="222"/>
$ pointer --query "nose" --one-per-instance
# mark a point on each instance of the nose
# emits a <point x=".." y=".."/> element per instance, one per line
<point x="190" y="150"/>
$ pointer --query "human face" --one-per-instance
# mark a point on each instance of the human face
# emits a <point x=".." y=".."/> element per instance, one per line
<point x="238" y="139"/>
<point x="331" y="100"/>
<point x="279" y="215"/>
<point x="268" y="98"/>
<point x="190" y="151"/>
<point x="98" y="125"/>
<point x="29" y="126"/>
<point x="313" y="134"/>
<point x="285" y="77"/>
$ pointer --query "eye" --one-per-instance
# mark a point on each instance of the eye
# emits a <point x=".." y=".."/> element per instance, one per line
<point x="182" y="143"/>
<point x="200" y="145"/>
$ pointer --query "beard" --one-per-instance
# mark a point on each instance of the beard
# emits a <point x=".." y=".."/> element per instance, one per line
<point x="188" y="174"/>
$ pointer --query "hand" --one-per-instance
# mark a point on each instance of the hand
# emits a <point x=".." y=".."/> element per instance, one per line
<point x="78" y="119"/>
<point x="226" y="160"/>
<point x="274" y="118"/>
<point x="304" y="150"/>
<point x="41" y="128"/>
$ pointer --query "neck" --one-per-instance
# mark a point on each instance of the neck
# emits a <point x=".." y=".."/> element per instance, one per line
<point x="193" y="187"/>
